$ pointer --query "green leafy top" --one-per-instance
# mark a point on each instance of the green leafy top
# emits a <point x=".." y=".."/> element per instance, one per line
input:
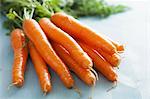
<point x="14" y="9"/>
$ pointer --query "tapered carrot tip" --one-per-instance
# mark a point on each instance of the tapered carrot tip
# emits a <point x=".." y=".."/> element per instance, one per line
<point x="121" y="48"/>
<point x="90" y="79"/>
<point x="113" y="78"/>
<point x="47" y="88"/>
<point x="70" y="86"/>
<point x="68" y="82"/>
<point x="114" y="86"/>
<point x="18" y="82"/>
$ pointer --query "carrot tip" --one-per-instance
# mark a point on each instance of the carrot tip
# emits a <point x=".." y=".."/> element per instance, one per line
<point x="44" y="94"/>
<point x="117" y="65"/>
<point x="113" y="87"/>
<point x="77" y="90"/>
<point x="95" y="73"/>
<point x="45" y="91"/>
<point x="121" y="47"/>
<point x="12" y="84"/>
<point x="92" y="92"/>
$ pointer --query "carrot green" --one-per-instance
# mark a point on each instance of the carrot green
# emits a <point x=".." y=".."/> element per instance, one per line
<point x="14" y="9"/>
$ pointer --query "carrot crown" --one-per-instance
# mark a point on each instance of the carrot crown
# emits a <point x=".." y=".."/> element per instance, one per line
<point x="27" y="14"/>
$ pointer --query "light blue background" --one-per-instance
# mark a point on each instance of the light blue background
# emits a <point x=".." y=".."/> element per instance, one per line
<point x="130" y="28"/>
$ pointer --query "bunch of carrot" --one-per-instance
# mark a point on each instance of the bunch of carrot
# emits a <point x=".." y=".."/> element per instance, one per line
<point x="63" y="44"/>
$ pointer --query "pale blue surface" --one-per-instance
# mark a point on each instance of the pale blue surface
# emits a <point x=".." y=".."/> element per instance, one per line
<point x="130" y="28"/>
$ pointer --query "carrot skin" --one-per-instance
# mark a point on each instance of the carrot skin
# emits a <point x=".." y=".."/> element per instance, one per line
<point x="84" y="74"/>
<point x="20" y="57"/>
<point x="39" y="39"/>
<point x="40" y="68"/>
<point x="56" y="34"/>
<point x="81" y="32"/>
<point x="100" y="64"/>
<point x="114" y="59"/>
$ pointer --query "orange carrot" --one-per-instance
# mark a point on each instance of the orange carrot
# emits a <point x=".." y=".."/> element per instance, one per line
<point x="84" y="74"/>
<point x="114" y="59"/>
<point x="40" y="68"/>
<point x="120" y="48"/>
<point x="39" y="39"/>
<point x="20" y="57"/>
<point x="56" y="34"/>
<point x="101" y="65"/>
<point x="81" y="32"/>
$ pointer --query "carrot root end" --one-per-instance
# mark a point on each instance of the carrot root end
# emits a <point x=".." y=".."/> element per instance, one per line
<point x="95" y="73"/>
<point x="113" y="87"/>
<point x="77" y="90"/>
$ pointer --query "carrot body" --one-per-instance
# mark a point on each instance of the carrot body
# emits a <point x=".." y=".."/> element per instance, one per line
<point x="101" y="65"/>
<point x="114" y="59"/>
<point x="84" y="74"/>
<point x="20" y="57"/>
<point x="81" y="32"/>
<point x="56" y="34"/>
<point x="39" y="39"/>
<point x="40" y="68"/>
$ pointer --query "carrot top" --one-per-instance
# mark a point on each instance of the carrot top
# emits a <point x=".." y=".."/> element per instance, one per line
<point x="45" y="8"/>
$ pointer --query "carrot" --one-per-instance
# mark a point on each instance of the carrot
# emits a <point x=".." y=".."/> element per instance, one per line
<point x="120" y="48"/>
<point x="56" y="34"/>
<point x="114" y="59"/>
<point x="40" y="68"/>
<point x="20" y="57"/>
<point x="84" y="74"/>
<point x="39" y="39"/>
<point x="81" y="32"/>
<point x="101" y="65"/>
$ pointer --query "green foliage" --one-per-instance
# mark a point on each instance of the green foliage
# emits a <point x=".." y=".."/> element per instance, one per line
<point x="93" y="8"/>
<point x="17" y="10"/>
